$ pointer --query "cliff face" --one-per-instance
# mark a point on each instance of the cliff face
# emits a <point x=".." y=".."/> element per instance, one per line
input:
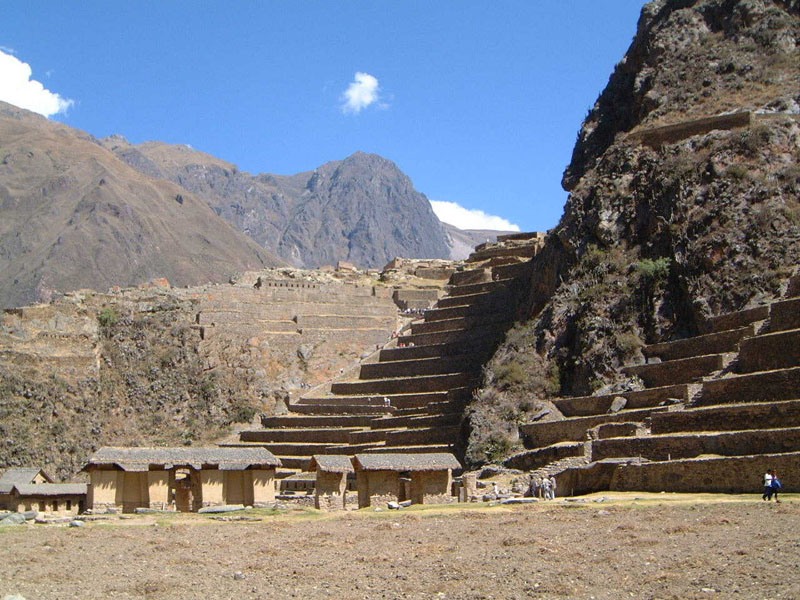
<point x="362" y="209"/>
<point x="660" y="233"/>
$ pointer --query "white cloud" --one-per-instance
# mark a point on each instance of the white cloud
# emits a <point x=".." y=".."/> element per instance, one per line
<point x="17" y="88"/>
<point x="362" y="92"/>
<point x="465" y="218"/>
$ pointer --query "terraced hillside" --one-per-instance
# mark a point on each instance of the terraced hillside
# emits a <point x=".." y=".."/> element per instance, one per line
<point x="717" y="410"/>
<point x="410" y="396"/>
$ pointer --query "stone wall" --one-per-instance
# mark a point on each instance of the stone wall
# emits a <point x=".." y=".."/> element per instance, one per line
<point x="714" y="475"/>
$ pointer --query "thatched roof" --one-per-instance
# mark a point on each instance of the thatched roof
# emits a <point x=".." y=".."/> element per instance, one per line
<point x="50" y="489"/>
<point x="331" y="463"/>
<point x="141" y="459"/>
<point x="434" y="461"/>
<point x="20" y="475"/>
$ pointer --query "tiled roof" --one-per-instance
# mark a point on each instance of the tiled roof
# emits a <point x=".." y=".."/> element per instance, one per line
<point x="19" y="475"/>
<point x="226" y="459"/>
<point x="50" y="489"/>
<point x="331" y="463"/>
<point x="406" y="462"/>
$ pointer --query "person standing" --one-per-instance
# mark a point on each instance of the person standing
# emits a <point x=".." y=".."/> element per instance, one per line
<point x="767" y="495"/>
<point x="546" y="488"/>
<point x="552" y="487"/>
<point x="776" y="485"/>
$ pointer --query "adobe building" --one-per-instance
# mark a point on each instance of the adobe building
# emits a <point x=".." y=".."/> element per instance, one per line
<point x="330" y="489"/>
<point x="421" y="478"/>
<point x="33" y="489"/>
<point x="183" y="479"/>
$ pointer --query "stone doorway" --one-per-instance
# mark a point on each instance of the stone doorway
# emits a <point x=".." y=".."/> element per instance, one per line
<point x="188" y="493"/>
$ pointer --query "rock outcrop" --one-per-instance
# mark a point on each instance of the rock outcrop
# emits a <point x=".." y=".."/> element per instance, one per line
<point x="663" y="230"/>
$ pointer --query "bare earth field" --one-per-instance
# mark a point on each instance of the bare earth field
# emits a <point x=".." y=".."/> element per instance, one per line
<point x="612" y="546"/>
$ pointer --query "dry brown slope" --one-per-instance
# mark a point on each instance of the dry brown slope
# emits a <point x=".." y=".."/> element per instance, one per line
<point x="75" y="216"/>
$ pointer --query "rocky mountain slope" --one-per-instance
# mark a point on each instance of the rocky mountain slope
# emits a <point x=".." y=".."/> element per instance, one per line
<point x="75" y="216"/>
<point x="362" y="209"/>
<point x="663" y="229"/>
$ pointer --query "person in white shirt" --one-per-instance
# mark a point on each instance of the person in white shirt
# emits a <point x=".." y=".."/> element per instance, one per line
<point x="767" y="486"/>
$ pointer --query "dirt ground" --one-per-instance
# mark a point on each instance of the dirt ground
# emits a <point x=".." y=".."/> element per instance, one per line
<point x="603" y="547"/>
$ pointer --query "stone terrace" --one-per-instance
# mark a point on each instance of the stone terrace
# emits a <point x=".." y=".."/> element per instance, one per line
<point x="717" y="411"/>
<point x="411" y="396"/>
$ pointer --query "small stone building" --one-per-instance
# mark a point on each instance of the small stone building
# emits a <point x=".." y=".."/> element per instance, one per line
<point x="24" y="489"/>
<point x="183" y="479"/>
<point x="65" y="498"/>
<point x="421" y="478"/>
<point x="330" y="489"/>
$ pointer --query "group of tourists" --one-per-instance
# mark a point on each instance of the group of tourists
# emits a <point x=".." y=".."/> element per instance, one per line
<point x="772" y="485"/>
<point x="543" y="488"/>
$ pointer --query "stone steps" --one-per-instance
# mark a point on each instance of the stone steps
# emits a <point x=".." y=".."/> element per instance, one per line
<point x="328" y="435"/>
<point x="340" y="408"/>
<point x="585" y="406"/>
<point x="416" y="449"/>
<point x="469" y="277"/>
<point x="762" y="415"/>
<point x="785" y="315"/>
<point x="434" y="351"/>
<point x="479" y="299"/>
<point x="516" y="250"/>
<point x="280" y="449"/>
<point x="420" y="400"/>
<point x="712" y="343"/>
<point x="369" y="436"/>
<point x="765" y="386"/>
<point x="498" y="303"/>
<point x="294" y="421"/>
<point x="424" y="383"/>
<point x="541" y="434"/>
<point x="435" y="408"/>
<point x="490" y="286"/>
<point x="458" y="324"/>
<point x="768" y="352"/>
<point x="420" y="366"/>
<point x="444" y="419"/>
<point x="684" y="370"/>
<point x="483" y="334"/>
<point x="693" y="444"/>
<point x="423" y="436"/>
<point x="736" y="320"/>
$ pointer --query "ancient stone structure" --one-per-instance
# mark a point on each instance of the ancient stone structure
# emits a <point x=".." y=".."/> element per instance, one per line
<point x="717" y="411"/>
<point x="410" y="397"/>
<point x="24" y="489"/>
<point x="421" y="478"/>
<point x="330" y="488"/>
<point x="183" y="479"/>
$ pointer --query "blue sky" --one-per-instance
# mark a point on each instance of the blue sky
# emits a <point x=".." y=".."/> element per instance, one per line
<point x="479" y="102"/>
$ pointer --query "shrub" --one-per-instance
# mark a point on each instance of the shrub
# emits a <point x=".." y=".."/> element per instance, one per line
<point x="653" y="271"/>
<point x="107" y="317"/>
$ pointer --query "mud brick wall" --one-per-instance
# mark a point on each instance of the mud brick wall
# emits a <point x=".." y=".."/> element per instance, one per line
<point x="728" y="475"/>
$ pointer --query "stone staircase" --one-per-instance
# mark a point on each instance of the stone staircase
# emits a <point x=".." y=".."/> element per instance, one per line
<point x="411" y="396"/>
<point x="717" y="411"/>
